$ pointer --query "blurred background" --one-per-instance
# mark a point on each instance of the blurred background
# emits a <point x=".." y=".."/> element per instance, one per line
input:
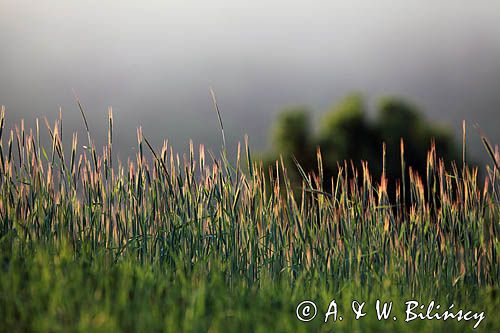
<point x="154" y="61"/>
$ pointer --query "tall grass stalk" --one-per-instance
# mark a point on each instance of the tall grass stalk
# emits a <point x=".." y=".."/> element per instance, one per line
<point x="179" y="211"/>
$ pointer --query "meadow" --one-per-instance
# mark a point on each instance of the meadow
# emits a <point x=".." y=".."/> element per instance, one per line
<point x="199" y="243"/>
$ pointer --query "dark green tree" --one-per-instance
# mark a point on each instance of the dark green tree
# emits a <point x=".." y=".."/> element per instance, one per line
<point x="346" y="134"/>
<point x="292" y="134"/>
<point x="398" y="119"/>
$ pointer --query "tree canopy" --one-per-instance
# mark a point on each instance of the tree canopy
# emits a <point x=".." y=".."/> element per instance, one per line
<point x="346" y="133"/>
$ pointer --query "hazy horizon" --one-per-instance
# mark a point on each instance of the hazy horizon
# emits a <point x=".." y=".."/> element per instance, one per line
<point x="154" y="63"/>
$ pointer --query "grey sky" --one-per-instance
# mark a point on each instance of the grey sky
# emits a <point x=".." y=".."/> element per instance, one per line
<point x="153" y="61"/>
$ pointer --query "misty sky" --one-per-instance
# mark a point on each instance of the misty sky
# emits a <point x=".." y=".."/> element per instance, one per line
<point x="154" y="62"/>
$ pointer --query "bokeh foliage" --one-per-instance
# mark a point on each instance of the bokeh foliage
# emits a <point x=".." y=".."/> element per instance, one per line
<point x="346" y="133"/>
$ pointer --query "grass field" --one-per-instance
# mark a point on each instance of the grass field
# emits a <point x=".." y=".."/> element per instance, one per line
<point x="196" y="243"/>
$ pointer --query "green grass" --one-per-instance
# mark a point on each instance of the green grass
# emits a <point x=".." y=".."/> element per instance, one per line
<point x="195" y="243"/>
